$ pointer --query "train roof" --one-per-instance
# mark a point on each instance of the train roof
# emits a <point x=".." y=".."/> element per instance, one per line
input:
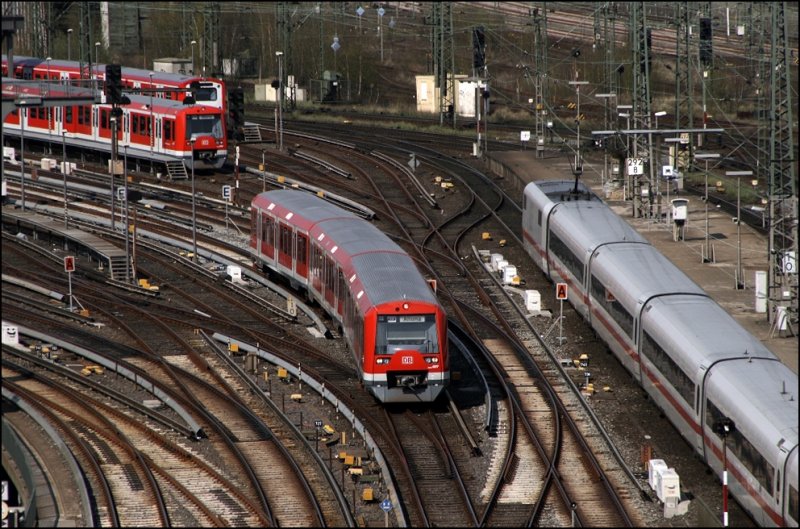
<point x="764" y="395"/>
<point x="386" y="272"/>
<point x="127" y="72"/>
<point x="641" y="271"/>
<point x="138" y="102"/>
<point x="702" y="328"/>
<point x="607" y="226"/>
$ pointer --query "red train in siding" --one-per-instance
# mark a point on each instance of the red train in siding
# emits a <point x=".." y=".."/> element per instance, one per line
<point x="207" y="91"/>
<point x="89" y="127"/>
<point x="387" y="311"/>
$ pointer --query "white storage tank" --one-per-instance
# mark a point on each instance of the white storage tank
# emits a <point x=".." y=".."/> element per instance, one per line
<point x="533" y="300"/>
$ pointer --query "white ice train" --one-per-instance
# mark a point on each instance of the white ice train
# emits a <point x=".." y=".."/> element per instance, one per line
<point x="709" y="375"/>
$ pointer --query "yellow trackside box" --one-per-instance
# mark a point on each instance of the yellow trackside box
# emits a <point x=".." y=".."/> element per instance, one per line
<point x="328" y="429"/>
<point x="366" y="494"/>
<point x="282" y="373"/>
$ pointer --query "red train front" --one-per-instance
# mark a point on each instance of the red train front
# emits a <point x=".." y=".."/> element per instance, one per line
<point x="387" y="311"/>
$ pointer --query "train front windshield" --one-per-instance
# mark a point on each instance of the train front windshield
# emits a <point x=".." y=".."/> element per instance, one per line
<point x="204" y="125"/>
<point x="205" y="93"/>
<point x="409" y="332"/>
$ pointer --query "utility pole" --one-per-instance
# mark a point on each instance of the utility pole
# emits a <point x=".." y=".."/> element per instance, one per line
<point x="782" y="279"/>
<point x="684" y="104"/>
<point x="443" y="57"/>
<point x="540" y="71"/>
<point x="283" y="20"/>
<point x="211" y="39"/>
<point x="641" y="98"/>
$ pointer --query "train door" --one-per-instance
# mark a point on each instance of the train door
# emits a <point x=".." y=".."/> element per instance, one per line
<point x="341" y="292"/>
<point x="285" y="245"/>
<point x="104" y="131"/>
<point x="301" y="263"/>
<point x="268" y="237"/>
<point x="330" y="282"/>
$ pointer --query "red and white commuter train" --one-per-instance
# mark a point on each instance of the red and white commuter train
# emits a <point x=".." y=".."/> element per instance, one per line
<point x="207" y="91"/>
<point x="387" y="311"/>
<point x="161" y="133"/>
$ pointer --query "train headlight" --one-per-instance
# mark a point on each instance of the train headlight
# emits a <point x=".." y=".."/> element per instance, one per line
<point x="382" y="361"/>
<point x="405" y="306"/>
<point x="431" y="360"/>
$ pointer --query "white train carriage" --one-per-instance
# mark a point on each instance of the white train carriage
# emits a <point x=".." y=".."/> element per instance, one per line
<point x="761" y="446"/>
<point x="696" y="362"/>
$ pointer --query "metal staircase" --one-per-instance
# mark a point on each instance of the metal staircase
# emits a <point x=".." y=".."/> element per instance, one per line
<point x="176" y="170"/>
<point x="252" y="133"/>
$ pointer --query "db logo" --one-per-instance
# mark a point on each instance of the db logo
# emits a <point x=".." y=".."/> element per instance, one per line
<point x="205" y="142"/>
<point x="407" y="360"/>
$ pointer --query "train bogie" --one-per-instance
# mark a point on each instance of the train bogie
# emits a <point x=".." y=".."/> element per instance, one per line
<point x="696" y="362"/>
<point x="390" y="317"/>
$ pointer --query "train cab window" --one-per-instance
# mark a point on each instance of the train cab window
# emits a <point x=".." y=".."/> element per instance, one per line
<point x="415" y="332"/>
<point x="205" y="93"/>
<point x="738" y="445"/>
<point x="203" y="124"/>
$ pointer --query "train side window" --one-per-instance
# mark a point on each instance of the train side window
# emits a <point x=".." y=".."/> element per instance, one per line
<point x="68" y="114"/>
<point x="794" y="503"/>
<point x="169" y="131"/>
<point x="671" y="371"/>
<point x="330" y="274"/>
<point x="302" y="249"/>
<point x="267" y="230"/>
<point x="539" y="216"/>
<point x="740" y="446"/>
<point x="605" y="298"/>
<point x="285" y="240"/>
<point x="566" y="256"/>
